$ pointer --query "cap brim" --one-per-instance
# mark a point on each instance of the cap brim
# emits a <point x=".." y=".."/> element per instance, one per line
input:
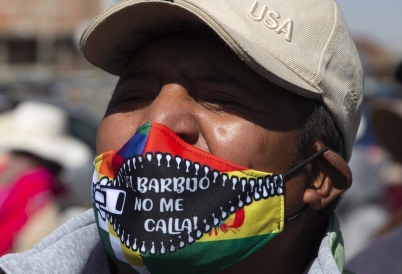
<point x="111" y="39"/>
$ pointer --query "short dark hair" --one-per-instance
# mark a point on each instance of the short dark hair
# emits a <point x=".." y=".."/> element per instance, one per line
<point x="316" y="124"/>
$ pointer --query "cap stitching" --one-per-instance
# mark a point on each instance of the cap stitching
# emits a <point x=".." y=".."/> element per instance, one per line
<point x="315" y="81"/>
<point x="239" y="50"/>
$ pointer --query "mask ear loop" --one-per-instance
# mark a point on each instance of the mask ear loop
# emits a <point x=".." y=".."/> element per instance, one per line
<point x="319" y="153"/>
<point x="296" y="215"/>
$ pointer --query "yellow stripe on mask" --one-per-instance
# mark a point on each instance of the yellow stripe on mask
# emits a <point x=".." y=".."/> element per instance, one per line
<point x="259" y="218"/>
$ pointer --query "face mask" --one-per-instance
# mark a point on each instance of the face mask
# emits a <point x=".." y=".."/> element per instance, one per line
<point x="164" y="206"/>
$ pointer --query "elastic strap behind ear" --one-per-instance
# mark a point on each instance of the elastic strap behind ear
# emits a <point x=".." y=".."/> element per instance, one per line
<point x="318" y="153"/>
<point x="297" y="214"/>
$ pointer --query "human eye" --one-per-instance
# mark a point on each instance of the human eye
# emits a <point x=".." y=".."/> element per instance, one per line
<point x="224" y="102"/>
<point x="221" y="101"/>
<point x="131" y="99"/>
<point x="135" y="90"/>
<point x="135" y="97"/>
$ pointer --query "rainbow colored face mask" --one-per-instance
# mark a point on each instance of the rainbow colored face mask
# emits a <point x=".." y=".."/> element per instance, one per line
<point x="164" y="206"/>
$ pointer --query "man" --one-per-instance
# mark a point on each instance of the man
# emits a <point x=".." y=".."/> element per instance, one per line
<point x="224" y="145"/>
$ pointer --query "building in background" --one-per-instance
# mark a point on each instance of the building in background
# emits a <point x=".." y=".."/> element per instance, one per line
<point x="39" y="36"/>
<point x="39" y="54"/>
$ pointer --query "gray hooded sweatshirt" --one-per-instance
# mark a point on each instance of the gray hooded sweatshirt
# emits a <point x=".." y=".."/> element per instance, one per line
<point x="67" y="249"/>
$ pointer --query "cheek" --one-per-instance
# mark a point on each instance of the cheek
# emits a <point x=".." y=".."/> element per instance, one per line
<point x="249" y="145"/>
<point x="228" y="141"/>
<point x="114" y="131"/>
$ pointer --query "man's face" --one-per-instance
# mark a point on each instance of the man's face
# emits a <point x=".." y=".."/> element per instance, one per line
<point x="212" y="100"/>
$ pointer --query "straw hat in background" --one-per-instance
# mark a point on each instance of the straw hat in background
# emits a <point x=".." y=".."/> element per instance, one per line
<point x="41" y="129"/>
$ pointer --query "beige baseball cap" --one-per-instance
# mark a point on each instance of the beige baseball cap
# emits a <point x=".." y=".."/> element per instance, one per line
<point x="303" y="46"/>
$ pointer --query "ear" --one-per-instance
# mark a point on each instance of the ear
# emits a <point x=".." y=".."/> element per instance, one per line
<point x="330" y="177"/>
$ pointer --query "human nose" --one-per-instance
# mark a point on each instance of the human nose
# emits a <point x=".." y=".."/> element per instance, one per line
<point x="176" y="109"/>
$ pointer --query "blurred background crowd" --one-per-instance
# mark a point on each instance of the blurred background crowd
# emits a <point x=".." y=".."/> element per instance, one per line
<point x="51" y="101"/>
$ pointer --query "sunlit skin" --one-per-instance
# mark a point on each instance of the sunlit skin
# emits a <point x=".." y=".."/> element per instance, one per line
<point x="215" y="102"/>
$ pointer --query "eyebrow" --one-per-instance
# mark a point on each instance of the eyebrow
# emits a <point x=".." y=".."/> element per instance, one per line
<point x="136" y="75"/>
<point x="219" y="77"/>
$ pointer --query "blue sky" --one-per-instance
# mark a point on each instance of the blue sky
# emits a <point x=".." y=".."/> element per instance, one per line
<point x="379" y="20"/>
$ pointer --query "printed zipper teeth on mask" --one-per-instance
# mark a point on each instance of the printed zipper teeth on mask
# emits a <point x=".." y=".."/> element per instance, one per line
<point x="252" y="189"/>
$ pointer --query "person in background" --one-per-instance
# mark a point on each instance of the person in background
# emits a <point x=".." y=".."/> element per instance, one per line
<point x="362" y="211"/>
<point x="383" y="254"/>
<point x="33" y="138"/>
